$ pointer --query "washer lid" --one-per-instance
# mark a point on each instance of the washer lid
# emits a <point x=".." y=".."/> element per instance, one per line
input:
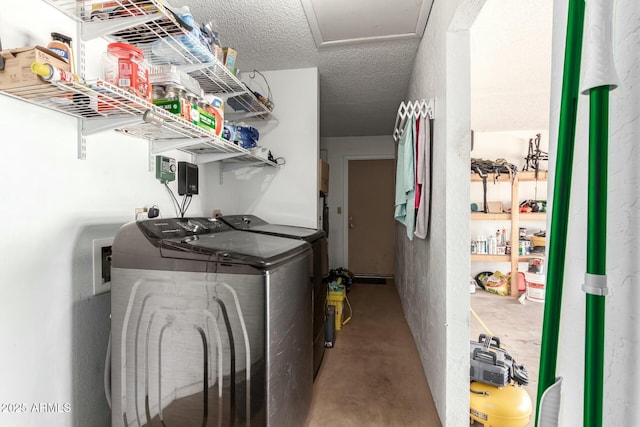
<point x="236" y="246"/>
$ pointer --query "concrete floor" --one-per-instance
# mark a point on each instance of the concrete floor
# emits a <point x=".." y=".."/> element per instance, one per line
<point x="519" y="327"/>
<point x="373" y="375"/>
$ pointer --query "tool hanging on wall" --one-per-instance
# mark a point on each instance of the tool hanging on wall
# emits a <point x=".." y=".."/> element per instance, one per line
<point x="422" y="108"/>
<point x="534" y="156"/>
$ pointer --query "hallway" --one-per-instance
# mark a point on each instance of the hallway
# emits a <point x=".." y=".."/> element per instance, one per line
<point x="373" y="376"/>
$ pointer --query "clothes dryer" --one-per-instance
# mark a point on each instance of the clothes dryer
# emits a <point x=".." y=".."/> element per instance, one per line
<point x="210" y="326"/>
<point x="318" y="241"/>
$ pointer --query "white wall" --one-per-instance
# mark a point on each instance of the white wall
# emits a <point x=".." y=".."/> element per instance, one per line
<point x="432" y="274"/>
<point x="509" y="144"/>
<point x="622" y="341"/>
<point x="288" y="194"/>
<point x="53" y="331"/>
<point x="339" y="151"/>
<point x="510" y="65"/>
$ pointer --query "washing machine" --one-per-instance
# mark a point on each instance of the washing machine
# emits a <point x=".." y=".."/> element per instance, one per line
<point x="318" y="241"/>
<point x="210" y="326"/>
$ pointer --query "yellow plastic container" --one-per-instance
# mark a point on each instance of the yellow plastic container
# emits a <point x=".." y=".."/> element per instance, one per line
<point x="338" y="300"/>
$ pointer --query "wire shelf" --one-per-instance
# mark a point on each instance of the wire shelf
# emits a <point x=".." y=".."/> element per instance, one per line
<point x="99" y="100"/>
<point x="155" y="29"/>
<point x="165" y="40"/>
<point x="92" y="100"/>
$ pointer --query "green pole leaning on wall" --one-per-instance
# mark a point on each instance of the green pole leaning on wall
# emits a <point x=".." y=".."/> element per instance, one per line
<point x="548" y="386"/>
<point x="599" y="78"/>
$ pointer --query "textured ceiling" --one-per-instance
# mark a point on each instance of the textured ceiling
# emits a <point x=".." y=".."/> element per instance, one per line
<point x="361" y="85"/>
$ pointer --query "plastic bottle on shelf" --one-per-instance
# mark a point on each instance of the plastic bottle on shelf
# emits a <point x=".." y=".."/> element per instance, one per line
<point x="61" y="46"/>
<point x="493" y="245"/>
<point x="482" y="244"/>
<point x="504" y="237"/>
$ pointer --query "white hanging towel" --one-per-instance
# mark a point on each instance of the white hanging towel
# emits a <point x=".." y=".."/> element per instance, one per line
<point x="406" y="178"/>
<point x="423" y="177"/>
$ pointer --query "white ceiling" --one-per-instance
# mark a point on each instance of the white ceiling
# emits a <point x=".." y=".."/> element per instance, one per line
<point x="511" y="66"/>
<point x="363" y="83"/>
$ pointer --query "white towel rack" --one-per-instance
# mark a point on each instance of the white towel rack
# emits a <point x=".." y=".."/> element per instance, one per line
<point x="413" y="109"/>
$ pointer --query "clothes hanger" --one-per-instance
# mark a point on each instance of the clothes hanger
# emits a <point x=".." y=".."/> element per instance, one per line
<point x="418" y="109"/>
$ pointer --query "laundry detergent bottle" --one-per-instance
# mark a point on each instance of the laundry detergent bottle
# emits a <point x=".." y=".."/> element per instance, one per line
<point x="61" y="46"/>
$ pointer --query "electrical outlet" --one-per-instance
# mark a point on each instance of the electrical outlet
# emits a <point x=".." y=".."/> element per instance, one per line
<point x="217" y="213"/>
<point x="141" y="213"/>
<point x="102" y="265"/>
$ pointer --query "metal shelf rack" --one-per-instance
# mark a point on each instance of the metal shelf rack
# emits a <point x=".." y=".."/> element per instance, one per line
<point x="100" y="106"/>
<point x="103" y="106"/>
<point x="155" y="29"/>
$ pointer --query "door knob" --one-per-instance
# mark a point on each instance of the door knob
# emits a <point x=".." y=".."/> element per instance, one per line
<point x="351" y="225"/>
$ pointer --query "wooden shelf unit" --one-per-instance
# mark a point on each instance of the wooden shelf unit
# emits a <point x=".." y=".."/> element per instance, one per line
<point x="514" y="216"/>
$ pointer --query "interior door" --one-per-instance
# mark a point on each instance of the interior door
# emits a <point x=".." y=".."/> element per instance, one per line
<point x="370" y="217"/>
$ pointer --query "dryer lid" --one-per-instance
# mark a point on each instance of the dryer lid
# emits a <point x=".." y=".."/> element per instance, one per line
<point x="243" y="222"/>
<point x="258" y="225"/>
<point x="308" y="234"/>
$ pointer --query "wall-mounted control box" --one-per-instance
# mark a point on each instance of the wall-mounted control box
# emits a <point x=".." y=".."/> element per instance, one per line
<point x="165" y="169"/>
<point x="187" y="179"/>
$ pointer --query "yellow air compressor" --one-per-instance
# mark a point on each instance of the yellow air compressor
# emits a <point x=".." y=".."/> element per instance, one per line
<point x="492" y="406"/>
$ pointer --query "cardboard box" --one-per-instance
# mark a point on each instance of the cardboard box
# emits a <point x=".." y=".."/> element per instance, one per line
<point x="17" y="68"/>
<point x="229" y="57"/>
<point x="494" y="207"/>
<point x="323" y="169"/>
<point x="204" y="120"/>
<point x="172" y="106"/>
<point x="217" y="52"/>
<point x="198" y="116"/>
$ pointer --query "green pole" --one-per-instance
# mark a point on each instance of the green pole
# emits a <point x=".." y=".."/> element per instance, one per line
<point x="596" y="254"/>
<point x="561" y="193"/>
